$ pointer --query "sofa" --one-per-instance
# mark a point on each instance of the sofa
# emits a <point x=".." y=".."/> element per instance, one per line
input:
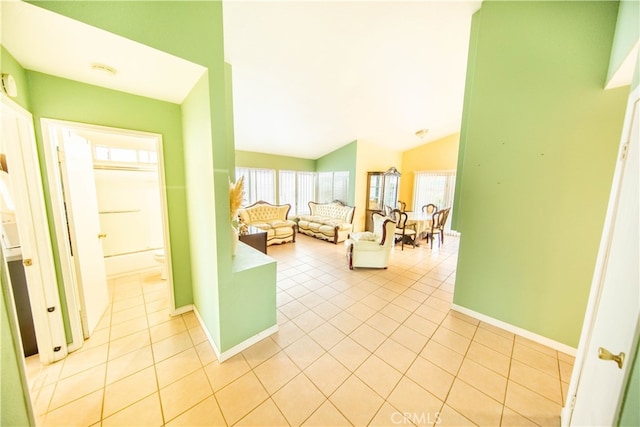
<point x="327" y="221"/>
<point x="270" y="218"/>
<point x="372" y="249"/>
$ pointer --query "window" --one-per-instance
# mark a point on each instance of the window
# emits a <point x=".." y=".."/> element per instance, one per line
<point x="259" y="184"/>
<point x="333" y="186"/>
<point x="287" y="189"/>
<point x="434" y="187"/>
<point x="108" y="155"/>
<point x="306" y="191"/>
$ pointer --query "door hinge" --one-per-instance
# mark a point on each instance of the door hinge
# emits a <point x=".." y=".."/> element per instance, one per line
<point x="51" y="309"/>
<point x="625" y="151"/>
<point x="56" y="348"/>
<point x="60" y="155"/>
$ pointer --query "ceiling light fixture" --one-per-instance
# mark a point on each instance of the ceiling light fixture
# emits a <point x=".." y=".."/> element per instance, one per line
<point x="106" y="69"/>
<point x="421" y="133"/>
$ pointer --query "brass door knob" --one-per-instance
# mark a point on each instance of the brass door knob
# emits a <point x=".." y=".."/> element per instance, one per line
<point x="605" y="354"/>
<point x="27" y="262"/>
<point x="102" y="235"/>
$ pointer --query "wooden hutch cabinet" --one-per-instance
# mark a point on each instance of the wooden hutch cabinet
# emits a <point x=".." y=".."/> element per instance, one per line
<point x="382" y="190"/>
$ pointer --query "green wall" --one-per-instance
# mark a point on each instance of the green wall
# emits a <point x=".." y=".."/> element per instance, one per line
<point x="250" y="159"/>
<point x="540" y="137"/>
<point x="14" y="396"/>
<point x="53" y="97"/>
<point x="342" y="159"/>
<point x="626" y="35"/>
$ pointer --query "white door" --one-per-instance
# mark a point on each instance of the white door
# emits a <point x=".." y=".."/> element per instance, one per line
<point x="76" y="165"/>
<point x="600" y="383"/>
<point x="17" y="140"/>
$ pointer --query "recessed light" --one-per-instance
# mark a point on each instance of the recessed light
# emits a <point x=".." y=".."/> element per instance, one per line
<point x="103" y="68"/>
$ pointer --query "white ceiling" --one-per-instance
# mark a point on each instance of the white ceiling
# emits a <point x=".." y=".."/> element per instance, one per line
<point x="308" y="76"/>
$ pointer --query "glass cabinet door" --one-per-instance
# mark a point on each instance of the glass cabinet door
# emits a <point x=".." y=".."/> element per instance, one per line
<point x="374" y="199"/>
<point x="391" y="190"/>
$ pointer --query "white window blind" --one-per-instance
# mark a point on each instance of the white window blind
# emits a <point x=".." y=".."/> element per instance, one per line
<point x="333" y="186"/>
<point x="340" y="186"/>
<point x="306" y="191"/>
<point x="287" y="189"/>
<point x="259" y="184"/>
<point x="434" y="187"/>
<point x="325" y="187"/>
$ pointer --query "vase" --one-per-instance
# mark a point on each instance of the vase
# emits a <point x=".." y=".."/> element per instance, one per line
<point x="234" y="241"/>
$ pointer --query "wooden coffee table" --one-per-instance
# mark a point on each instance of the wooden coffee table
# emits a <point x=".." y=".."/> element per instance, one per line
<point x="256" y="238"/>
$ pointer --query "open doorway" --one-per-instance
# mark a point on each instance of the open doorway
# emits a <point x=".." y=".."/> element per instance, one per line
<point x="122" y="172"/>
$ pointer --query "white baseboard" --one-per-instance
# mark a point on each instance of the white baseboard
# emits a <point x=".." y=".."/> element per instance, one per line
<point x="184" y="309"/>
<point x="516" y="330"/>
<point x="222" y="356"/>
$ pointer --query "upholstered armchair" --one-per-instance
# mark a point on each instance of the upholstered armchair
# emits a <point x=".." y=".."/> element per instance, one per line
<point x="372" y="249"/>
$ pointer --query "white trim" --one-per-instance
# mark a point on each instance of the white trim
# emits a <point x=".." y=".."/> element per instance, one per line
<point x="624" y="74"/>
<point x="182" y="310"/>
<point x="600" y="265"/>
<point x="516" y="330"/>
<point x="222" y="356"/>
<point x="35" y="235"/>
<point x="53" y="175"/>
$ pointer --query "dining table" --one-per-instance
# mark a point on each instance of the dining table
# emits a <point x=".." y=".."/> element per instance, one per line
<point x="421" y="220"/>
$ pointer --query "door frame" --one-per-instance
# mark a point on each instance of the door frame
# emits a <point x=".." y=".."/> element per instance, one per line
<point x="44" y="296"/>
<point x="600" y="270"/>
<point x="49" y="127"/>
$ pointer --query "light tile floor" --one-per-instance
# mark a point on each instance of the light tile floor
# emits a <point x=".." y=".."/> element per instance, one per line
<point x="362" y="347"/>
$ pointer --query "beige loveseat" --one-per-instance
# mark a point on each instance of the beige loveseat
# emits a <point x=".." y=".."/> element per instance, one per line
<point x="328" y="221"/>
<point x="270" y="218"/>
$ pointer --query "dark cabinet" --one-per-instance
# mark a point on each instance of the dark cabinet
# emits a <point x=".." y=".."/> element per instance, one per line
<point x="382" y="190"/>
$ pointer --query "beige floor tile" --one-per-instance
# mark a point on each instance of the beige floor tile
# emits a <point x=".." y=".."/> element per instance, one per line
<point x="367" y="337"/>
<point x="222" y="374"/>
<point x="536" y="408"/>
<point x="396" y="355"/>
<point x="293" y="309"/>
<point x="452" y="340"/>
<point x="541" y="361"/>
<point x="146" y="412"/>
<point x="78" y="385"/>
<point x="409" y="338"/>
<point x="473" y="404"/>
<point x="442" y="357"/>
<point x="276" y="372"/>
<point x="534" y="380"/>
<point x="449" y="417"/>
<point x="489" y="358"/>
<point x="191" y="320"/>
<point x="98" y="338"/>
<point x="432" y="314"/>
<point x="128" y="314"/>
<point x="327" y="373"/>
<point x="184" y="394"/>
<point x="311" y="299"/>
<point x="383" y="324"/>
<point x="240" y="397"/>
<point x="421" y="325"/>
<point x="537" y="346"/>
<point x="265" y="415"/>
<point x="327" y="415"/>
<point x="345" y="322"/>
<point x="435" y="380"/>
<point x="308" y="321"/>
<point x="326" y="310"/>
<point x="206" y="353"/>
<point x="563" y="357"/>
<point x="41" y="398"/>
<point x="288" y="333"/>
<point x="388" y="416"/>
<point x="494" y="341"/>
<point x="124" y="345"/>
<point x="178" y="366"/>
<point x="497" y="330"/>
<point x="206" y="413"/>
<point x="298" y="399"/>
<point x="406" y="303"/>
<point x="128" y="364"/>
<point x="358" y="411"/>
<point x="128" y="390"/>
<point x="566" y="369"/>
<point x="484" y="379"/>
<point x="167" y="329"/>
<point x="349" y="353"/>
<point x="361" y="311"/>
<point x="409" y="398"/>
<point x="171" y="346"/>
<point x="129" y="327"/>
<point x="378" y="375"/>
<point x="157" y="316"/>
<point x="459" y="326"/>
<point x="512" y="418"/>
<point x="197" y="335"/>
<point x="261" y="351"/>
<point x="84" y="359"/>
<point x="395" y="312"/>
<point x="82" y="412"/>
<point x="327" y="335"/>
<point x="304" y="352"/>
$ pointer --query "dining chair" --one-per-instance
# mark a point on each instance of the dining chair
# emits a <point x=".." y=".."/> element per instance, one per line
<point x="429" y="209"/>
<point x="403" y="231"/>
<point x="402" y="206"/>
<point x="437" y="226"/>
